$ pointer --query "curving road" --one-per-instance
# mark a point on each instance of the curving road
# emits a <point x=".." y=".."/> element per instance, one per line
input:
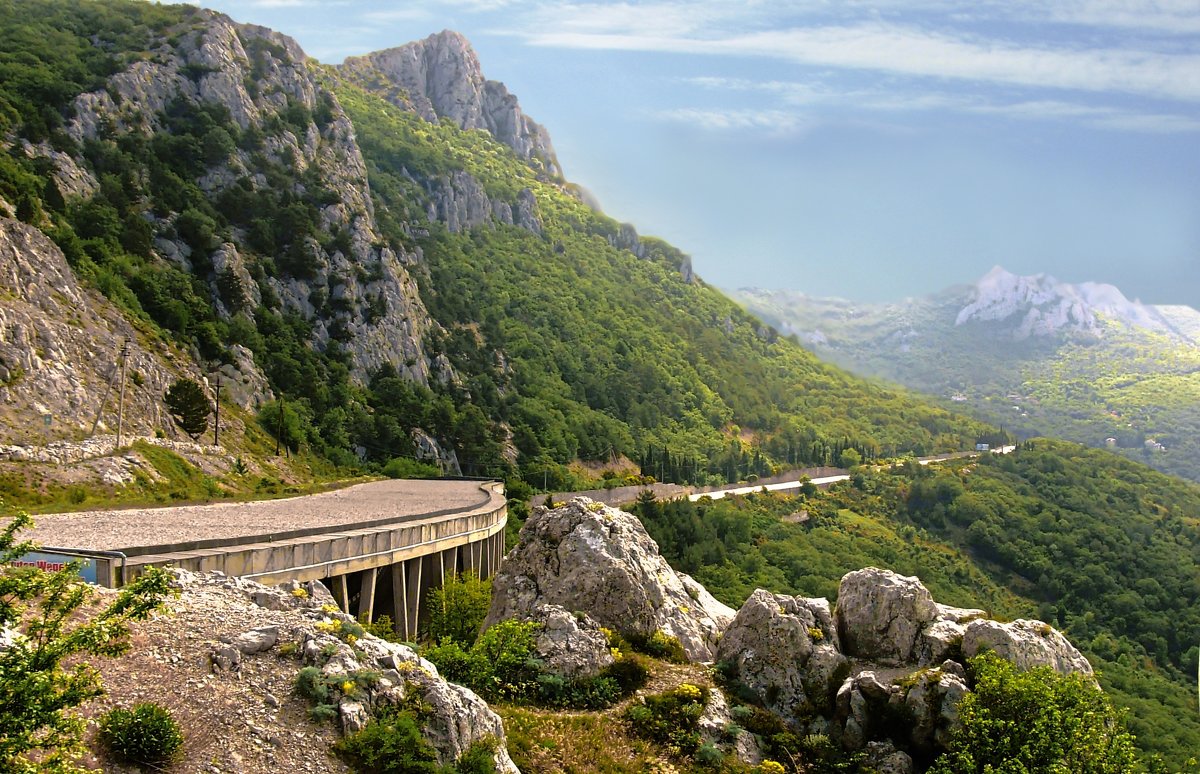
<point x="354" y="507"/>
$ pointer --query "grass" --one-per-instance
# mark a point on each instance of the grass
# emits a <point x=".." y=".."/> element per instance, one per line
<point x="549" y="741"/>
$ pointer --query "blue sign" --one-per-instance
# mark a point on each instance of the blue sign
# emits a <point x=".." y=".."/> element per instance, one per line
<point x="57" y="562"/>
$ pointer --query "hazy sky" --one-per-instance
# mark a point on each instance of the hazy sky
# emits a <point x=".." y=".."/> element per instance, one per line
<point x="870" y="150"/>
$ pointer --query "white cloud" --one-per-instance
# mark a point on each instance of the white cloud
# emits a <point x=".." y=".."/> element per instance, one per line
<point x="772" y="121"/>
<point x="707" y="28"/>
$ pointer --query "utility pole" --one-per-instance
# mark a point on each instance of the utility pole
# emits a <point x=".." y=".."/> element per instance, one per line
<point x="279" y="425"/>
<point x="217" y="415"/>
<point x="121" y="393"/>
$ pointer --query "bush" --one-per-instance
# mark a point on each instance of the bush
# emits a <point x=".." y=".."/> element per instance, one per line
<point x="659" y="645"/>
<point x="479" y="758"/>
<point x="390" y="744"/>
<point x="404" y="467"/>
<point x="1036" y="721"/>
<point x="628" y="673"/>
<point x="671" y="718"/>
<point x="453" y="663"/>
<point x="457" y="608"/>
<point x="36" y="692"/>
<point x="146" y="735"/>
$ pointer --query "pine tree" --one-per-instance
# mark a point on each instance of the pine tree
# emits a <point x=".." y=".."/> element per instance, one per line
<point x="189" y="407"/>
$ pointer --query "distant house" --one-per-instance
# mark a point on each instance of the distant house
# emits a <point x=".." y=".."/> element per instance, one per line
<point x="1153" y="445"/>
<point x="982" y="447"/>
<point x="1110" y="443"/>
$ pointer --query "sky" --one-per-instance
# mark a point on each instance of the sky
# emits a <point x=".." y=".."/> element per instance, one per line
<point x="867" y="150"/>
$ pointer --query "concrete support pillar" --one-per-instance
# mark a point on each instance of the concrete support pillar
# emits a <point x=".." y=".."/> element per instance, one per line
<point x="449" y="560"/>
<point x="399" y="598"/>
<point x="366" y="594"/>
<point x="470" y="557"/>
<point x="341" y="593"/>
<point x="414" y="589"/>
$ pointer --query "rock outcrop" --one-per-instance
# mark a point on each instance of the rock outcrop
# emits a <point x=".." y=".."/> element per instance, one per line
<point x="299" y="616"/>
<point x="885" y="674"/>
<point x="570" y="645"/>
<point x="1026" y="643"/>
<point x="881" y="615"/>
<point x="785" y="649"/>
<point x="440" y="77"/>
<point x="589" y="557"/>
<point x="267" y="85"/>
<point x="60" y="347"/>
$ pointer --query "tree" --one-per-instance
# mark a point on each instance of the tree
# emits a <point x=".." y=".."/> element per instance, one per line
<point x="189" y="407"/>
<point x="1037" y="721"/>
<point x="40" y="627"/>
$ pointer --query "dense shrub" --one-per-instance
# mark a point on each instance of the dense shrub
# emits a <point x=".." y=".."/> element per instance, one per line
<point x="392" y="743"/>
<point x="458" y="607"/>
<point x="38" y="733"/>
<point x="502" y="665"/>
<point x="404" y="467"/>
<point x="670" y="718"/>
<point x="146" y="735"/>
<point x="659" y="645"/>
<point x="1035" y="721"/>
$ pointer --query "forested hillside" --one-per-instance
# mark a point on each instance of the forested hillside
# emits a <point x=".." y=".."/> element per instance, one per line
<point x="215" y="184"/>
<point x="1107" y="549"/>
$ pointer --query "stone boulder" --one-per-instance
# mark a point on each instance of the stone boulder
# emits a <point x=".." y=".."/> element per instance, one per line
<point x="1027" y="644"/>
<point x="932" y="703"/>
<point x="862" y="700"/>
<point x="457" y="717"/>
<point x="880" y="615"/>
<point x="589" y="557"/>
<point x="785" y="650"/>
<point x="717" y="727"/>
<point x="570" y="645"/>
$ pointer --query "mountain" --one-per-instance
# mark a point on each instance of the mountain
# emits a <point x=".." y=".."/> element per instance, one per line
<point x="389" y="249"/>
<point x="1032" y="354"/>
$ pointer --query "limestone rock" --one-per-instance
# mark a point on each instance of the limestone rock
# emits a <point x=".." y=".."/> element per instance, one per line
<point x="589" y="557"/>
<point x="59" y="346"/>
<point x="939" y="641"/>
<point x="861" y="701"/>
<point x="714" y="728"/>
<point x="932" y="703"/>
<point x="720" y="613"/>
<point x="880" y="614"/>
<point x="785" y="650"/>
<point x="256" y="640"/>
<point x="571" y="646"/>
<point x="457" y="716"/>
<point x="354" y="716"/>
<point x="1025" y="643"/>
<point x="884" y="758"/>
<point x="440" y="76"/>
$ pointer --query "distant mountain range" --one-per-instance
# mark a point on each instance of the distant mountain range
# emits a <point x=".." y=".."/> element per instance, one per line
<point x="1035" y="355"/>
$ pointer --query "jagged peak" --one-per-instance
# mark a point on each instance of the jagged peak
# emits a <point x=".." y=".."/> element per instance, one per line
<point x="1042" y="305"/>
<point x="440" y="77"/>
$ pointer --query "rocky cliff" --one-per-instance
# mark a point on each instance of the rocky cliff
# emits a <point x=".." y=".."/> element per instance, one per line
<point x="440" y="77"/>
<point x="1040" y="305"/>
<point x="60" y="346"/>
<point x="292" y="134"/>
